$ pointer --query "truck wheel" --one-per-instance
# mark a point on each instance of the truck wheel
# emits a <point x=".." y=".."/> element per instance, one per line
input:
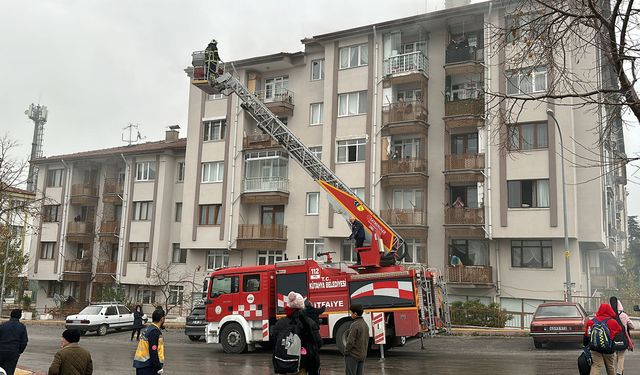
<point x="232" y="339"/>
<point x="341" y="336"/>
<point x="102" y="330"/>
<point x="537" y="344"/>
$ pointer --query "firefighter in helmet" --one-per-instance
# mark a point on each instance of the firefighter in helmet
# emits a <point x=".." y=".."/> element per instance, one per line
<point x="213" y="59"/>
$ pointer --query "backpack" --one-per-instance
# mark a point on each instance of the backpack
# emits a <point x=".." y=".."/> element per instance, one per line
<point x="584" y="362"/>
<point x="287" y="350"/>
<point x="600" y="337"/>
<point x="621" y="341"/>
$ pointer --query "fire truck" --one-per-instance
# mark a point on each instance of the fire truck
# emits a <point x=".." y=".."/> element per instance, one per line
<point x="401" y="300"/>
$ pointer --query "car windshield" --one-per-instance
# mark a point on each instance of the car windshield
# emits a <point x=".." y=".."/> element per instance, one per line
<point x="558" y="312"/>
<point x="90" y="310"/>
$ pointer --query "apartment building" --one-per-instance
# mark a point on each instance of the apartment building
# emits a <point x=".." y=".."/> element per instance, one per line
<point x="397" y="110"/>
<point x="110" y="218"/>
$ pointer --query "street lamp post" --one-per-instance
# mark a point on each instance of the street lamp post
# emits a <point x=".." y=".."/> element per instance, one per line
<point x="567" y="252"/>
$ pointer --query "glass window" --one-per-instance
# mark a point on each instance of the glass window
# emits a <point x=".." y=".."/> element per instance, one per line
<point x="531" y="254"/>
<point x="180" y="167"/>
<point x="123" y="310"/>
<point x="147" y="296"/>
<point x="210" y="214"/>
<point x="415" y="249"/>
<point x="348" y="251"/>
<point x="178" y="217"/>
<point x="212" y="171"/>
<point x="217" y="259"/>
<point x="313" y="246"/>
<point x="359" y="193"/>
<point x="111" y="310"/>
<point x="407" y="199"/>
<point x="352" y="150"/>
<point x="138" y="251"/>
<point x="317" y="151"/>
<point x="146" y="171"/>
<point x="269" y="257"/>
<point x="142" y="210"/>
<point x="54" y="177"/>
<point x="526" y="81"/>
<point x="317" y="69"/>
<point x="214" y="130"/>
<point x="313" y="203"/>
<point x="558" y="312"/>
<point x="528" y="193"/>
<point x="176" y="294"/>
<point x="316" y="113"/>
<point x="224" y="285"/>
<point x="353" y="103"/>
<point x="529" y="136"/>
<point x="354" y="56"/>
<point x="178" y="255"/>
<point x="251" y="283"/>
<point x="275" y="89"/>
<point x="51" y="213"/>
<point x="215" y="96"/>
<point x="470" y="252"/>
<point x="46" y="250"/>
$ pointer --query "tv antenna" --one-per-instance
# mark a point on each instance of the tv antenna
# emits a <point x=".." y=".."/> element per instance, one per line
<point x="133" y="136"/>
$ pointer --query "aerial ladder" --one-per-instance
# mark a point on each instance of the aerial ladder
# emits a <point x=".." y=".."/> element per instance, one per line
<point x="211" y="76"/>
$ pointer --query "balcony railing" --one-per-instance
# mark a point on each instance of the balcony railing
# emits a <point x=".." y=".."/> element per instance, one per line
<point x="404" y="111"/>
<point x="262" y="232"/>
<point x="113" y="186"/>
<point x="463" y="53"/>
<point x="110" y="227"/>
<point x="463" y="161"/>
<point x="77" y="265"/>
<point x="405" y="63"/>
<point x="258" y="141"/>
<point x="80" y="227"/>
<point x="464" y="107"/>
<point x="403" y="166"/>
<point x="265" y="184"/>
<point x="470" y="274"/>
<point x="275" y="95"/>
<point x="464" y="216"/>
<point x="89" y="190"/>
<point x="106" y="266"/>
<point x="404" y="217"/>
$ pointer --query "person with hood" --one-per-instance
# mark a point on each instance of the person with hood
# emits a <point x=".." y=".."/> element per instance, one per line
<point x="313" y="312"/>
<point x="626" y="324"/>
<point x="13" y="341"/>
<point x="137" y="322"/>
<point x="306" y="328"/>
<point x="602" y="357"/>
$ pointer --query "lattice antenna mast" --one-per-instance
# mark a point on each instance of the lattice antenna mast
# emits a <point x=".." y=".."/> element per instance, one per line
<point x="38" y="114"/>
<point x="133" y="136"/>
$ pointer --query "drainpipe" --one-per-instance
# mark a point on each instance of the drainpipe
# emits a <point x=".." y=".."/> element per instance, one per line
<point x="374" y="130"/>
<point x="233" y="175"/>
<point x="488" y="120"/>
<point x="65" y="218"/>
<point x="123" y="221"/>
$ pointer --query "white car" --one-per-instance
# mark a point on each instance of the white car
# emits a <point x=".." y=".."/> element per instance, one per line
<point x="101" y="317"/>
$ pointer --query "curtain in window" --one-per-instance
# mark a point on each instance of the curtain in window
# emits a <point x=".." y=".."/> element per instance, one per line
<point x="478" y="253"/>
<point x="531" y="257"/>
<point x="353" y="52"/>
<point x="344" y="58"/>
<point x="542" y="193"/>
<point x="353" y="103"/>
<point x="542" y="135"/>
<point x="364" y="55"/>
<point x="514" y="193"/>
<point x="526" y="86"/>
<point x="528" y="136"/>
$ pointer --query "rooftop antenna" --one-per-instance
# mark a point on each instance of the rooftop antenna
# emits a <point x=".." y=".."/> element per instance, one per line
<point x="38" y="114"/>
<point x="133" y="138"/>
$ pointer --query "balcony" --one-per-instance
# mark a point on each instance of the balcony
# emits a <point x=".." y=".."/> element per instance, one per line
<point x="258" y="141"/>
<point x="109" y="231"/>
<point x="455" y="162"/>
<point x="461" y="53"/>
<point x="402" y="68"/>
<point x="404" y="118"/>
<point x="472" y="276"/>
<point x="279" y="101"/>
<point x="80" y="231"/>
<point x="84" y="194"/>
<point x="77" y="270"/>
<point x="464" y="216"/>
<point x="263" y="237"/>
<point x="404" y="217"/>
<point x="113" y="190"/>
<point x="403" y="172"/>
<point x="464" y="113"/>
<point x="265" y="190"/>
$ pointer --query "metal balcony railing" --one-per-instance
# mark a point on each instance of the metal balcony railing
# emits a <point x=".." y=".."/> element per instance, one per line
<point x="262" y="232"/>
<point x="405" y="63"/>
<point x="265" y="184"/>
<point x="464" y="216"/>
<point x="404" y="111"/>
<point x="275" y="95"/>
<point x="470" y="274"/>
<point x="463" y="161"/>
<point x="403" y="166"/>
<point x="403" y="217"/>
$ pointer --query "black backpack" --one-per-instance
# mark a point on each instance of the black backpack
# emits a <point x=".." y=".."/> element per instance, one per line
<point x="287" y="348"/>
<point x="620" y="341"/>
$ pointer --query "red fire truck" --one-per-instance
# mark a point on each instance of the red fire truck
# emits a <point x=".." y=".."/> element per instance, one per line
<point x="400" y="300"/>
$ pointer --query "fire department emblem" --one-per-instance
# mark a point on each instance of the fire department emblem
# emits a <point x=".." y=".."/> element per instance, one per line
<point x="218" y="310"/>
<point x="250" y="298"/>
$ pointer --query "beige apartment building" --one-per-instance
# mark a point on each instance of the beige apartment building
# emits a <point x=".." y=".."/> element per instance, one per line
<point x="397" y="110"/>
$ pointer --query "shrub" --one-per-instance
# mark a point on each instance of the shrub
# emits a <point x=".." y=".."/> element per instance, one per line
<point x="474" y="313"/>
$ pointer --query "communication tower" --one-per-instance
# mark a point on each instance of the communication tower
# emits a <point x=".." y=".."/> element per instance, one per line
<point x="38" y="114"/>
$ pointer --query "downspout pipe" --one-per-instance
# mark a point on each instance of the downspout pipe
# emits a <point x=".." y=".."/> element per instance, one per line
<point x="233" y="174"/>
<point x="125" y="208"/>
<point x="374" y="119"/>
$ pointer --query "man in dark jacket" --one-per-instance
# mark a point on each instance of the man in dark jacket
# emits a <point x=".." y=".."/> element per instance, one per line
<point x="313" y="312"/>
<point x="71" y="359"/>
<point x="149" y="356"/>
<point x="357" y="233"/>
<point x="13" y="341"/>
<point x="603" y="358"/>
<point x="355" y="350"/>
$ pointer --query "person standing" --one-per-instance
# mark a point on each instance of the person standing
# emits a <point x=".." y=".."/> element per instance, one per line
<point x="13" y="341"/>
<point x="601" y="344"/>
<point x="149" y="356"/>
<point x="71" y="359"/>
<point x="355" y="351"/>
<point x="357" y="233"/>
<point x="626" y="324"/>
<point x="137" y="322"/>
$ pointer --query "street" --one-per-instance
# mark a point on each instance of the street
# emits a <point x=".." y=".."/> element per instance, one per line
<point x="113" y="354"/>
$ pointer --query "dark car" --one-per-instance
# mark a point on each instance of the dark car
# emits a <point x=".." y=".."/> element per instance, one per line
<point x="558" y="322"/>
<point x="196" y="323"/>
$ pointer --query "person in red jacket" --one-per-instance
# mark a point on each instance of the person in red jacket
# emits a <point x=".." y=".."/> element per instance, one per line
<point x="603" y="358"/>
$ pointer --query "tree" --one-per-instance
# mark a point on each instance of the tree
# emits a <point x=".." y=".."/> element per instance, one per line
<point x="172" y="284"/>
<point x="11" y="254"/>
<point x="13" y="176"/>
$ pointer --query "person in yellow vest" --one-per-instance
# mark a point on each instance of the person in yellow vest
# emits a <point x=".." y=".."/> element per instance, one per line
<point x="149" y="356"/>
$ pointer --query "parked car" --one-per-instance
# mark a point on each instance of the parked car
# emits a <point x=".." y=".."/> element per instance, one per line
<point x="101" y="317"/>
<point x="196" y="323"/>
<point x="558" y="322"/>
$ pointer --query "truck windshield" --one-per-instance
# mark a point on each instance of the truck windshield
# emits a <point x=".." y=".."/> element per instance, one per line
<point x="223" y="285"/>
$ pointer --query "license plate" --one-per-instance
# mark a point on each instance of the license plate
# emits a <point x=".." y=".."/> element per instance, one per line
<point x="557" y="328"/>
<point x="197" y="322"/>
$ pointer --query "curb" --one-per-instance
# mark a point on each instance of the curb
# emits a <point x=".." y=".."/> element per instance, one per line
<point x="61" y="323"/>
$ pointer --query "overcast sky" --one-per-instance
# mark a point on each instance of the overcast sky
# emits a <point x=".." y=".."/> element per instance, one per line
<point x="99" y="65"/>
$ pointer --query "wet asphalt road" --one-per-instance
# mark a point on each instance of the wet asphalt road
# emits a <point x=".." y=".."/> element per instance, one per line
<point x="113" y="354"/>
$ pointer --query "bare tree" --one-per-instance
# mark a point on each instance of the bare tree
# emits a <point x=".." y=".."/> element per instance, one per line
<point x="167" y="278"/>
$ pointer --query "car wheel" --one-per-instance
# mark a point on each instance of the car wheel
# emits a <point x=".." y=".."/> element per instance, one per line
<point x="232" y="339"/>
<point x="82" y="333"/>
<point x="537" y="344"/>
<point x="102" y="330"/>
<point x="194" y="337"/>
<point x="341" y="336"/>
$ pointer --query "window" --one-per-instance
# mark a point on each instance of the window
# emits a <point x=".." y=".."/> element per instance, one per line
<point x="147" y="296"/>
<point x="178" y="255"/>
<point x="414" y="248"/>
<point x="347" y="248"/>
<point x="351" y="150"/>
<point x="409" y="95"/>
<point x="224" y="285"/>
<point x="215" y="96"/>
<point x="142" y="210"/>
<point x="123" y="310"/>
<point x="317" y="69"/>
<point x="46" y="250"/>
<point x="353" y="103"/>
<point x="467" y="194"/>
<point x="51" y="213"/>
<point x="53" y="287"/>
<point x="531" y="254"/>
<point x="317" y="151"/>
<point x="312" y="203"/>
<point x="275" y="89"/>
<point x="214" y="130"/>
<point x="406" y="148"/>
<point x="111" y="310"/>
<point x="54" y="177"/>
<point x="354" y="56"/>
<point x="359" y="193"/>
<point x="213" y="171"/>
<point x="464" y="144"/>
<point x="176" y="294"/>
<point x="527" y="25"/>
<point x="180" y="177"/>
<point x="178" y="217"/>
<point x="272" y="215"/>
<point x="528" y="193"/>
<point x="210" y="214"/>
<point x="146" y="171"/>
<point x="407" y="199"/>
<point x="528" y="136"/>
<point x="315" y="113"/>
<point x="470" y="252"/>
<point x="527" y="81"/>
<point x="217" y="259"/>
<point x="313" y="246"/>
<point x="138" y="251"/>
<point x="251" y="283"/>
<point x="269" y="257"/>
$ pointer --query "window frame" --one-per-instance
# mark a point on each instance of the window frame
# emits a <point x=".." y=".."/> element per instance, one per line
<point x="320" y="63"/>
<point x="55" y="177"/>
<point x="269" y="256"/>
<point x="534" y="74"/>
<point x="176" y="294"/>
<point x="309" y="209"/>
<point x="138" y="207"/>
<point x="145" y="171"/>
<point x="317" y="151"/>
<point x="146" y="296"/>
<point x="536" y="136"/>
<point x="209" y="130"/>
<point x="182" y="254"/>
<point x="47" y="250"/>
<point x="216" y="210"/>
<point x="357" y="143"/>
<point x="181" y="169"/>
<point x="178" y="213"/>
<point x="544" y="244"/>
<point x="138" y="247"/>
<point x="47" y="217"/>
<point x="315" y="245"/>
<point x="211" y="169"/>
<point x="213" y="255"/>
<point x="359" y="57"/>
<point x="320" y="119"/>
<point x="534" y="193"/>
<point x="348" y="97"/>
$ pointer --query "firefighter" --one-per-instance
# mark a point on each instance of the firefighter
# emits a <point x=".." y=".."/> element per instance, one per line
<point x="357" y="233"/>
<point x="213" y="59"/>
